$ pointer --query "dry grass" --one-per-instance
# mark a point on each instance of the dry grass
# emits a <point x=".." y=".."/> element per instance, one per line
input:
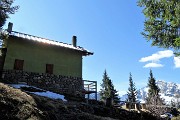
<point x="15" y="94"/>
<point x="58" y="110"/>
<point x="16" y="104"/>
<point x="176" y="118"/>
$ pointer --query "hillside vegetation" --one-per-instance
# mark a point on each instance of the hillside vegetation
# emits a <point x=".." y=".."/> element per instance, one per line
<point x="18" y="105"/>
<point x="15" y="104"/>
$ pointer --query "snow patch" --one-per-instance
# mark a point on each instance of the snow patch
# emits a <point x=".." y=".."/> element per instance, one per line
<point x="48" y="94"/>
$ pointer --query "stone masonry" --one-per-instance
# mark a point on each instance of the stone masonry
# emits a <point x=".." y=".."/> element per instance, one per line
<point x="59" y="84"/>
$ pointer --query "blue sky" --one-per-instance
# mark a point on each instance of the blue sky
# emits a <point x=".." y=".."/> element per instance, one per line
<point x="109" y="28"/>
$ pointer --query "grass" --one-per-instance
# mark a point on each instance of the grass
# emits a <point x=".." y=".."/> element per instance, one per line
<point x="176" y="118"/>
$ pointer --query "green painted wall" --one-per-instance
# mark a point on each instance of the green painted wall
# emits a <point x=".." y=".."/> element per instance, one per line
<point x="36" y="55"/>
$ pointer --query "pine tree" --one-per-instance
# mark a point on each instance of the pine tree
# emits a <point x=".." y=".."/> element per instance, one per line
<point x="104" y="93"/>
<point x="153" y="99"/>
<point x="132" y="92"/>
<point x="6" y="9"/>
<point x="153" y="88"/>
<point x="108" y="91"/>
<point x="114" y="93"/>
<point x="116" y="97"/>
<point x="162" y="23"/>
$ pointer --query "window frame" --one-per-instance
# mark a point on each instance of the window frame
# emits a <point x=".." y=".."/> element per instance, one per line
<point x="18" y="64"/>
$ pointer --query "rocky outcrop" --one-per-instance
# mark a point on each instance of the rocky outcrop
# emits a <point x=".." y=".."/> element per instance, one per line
<point x="17" y="105"/>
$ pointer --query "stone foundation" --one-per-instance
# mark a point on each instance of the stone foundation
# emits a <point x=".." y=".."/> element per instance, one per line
<point x="59" y="84"/>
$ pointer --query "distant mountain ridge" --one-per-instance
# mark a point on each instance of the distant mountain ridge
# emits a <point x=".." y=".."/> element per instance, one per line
<point x="168" y="91"/>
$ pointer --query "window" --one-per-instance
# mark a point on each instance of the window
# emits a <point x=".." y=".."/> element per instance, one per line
<point x="49" y="68"/>
<point x="18" y="64"/>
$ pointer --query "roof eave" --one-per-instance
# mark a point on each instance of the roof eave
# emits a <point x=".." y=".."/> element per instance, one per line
<point x="87" y="53"/>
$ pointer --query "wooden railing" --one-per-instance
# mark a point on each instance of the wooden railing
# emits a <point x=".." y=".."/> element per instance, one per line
<point x="90" y="87"/>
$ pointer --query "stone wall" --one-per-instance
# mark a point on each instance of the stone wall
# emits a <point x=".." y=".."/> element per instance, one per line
<point x="59" y="84"/>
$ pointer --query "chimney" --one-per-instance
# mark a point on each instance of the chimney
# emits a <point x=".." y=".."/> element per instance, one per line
<point x="74" y="41"/>
<point x="10" y="25"/>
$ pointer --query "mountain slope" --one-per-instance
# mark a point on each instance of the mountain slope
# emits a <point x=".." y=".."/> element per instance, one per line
<point x="168" y="91"/>
<point x="18" y="105"/>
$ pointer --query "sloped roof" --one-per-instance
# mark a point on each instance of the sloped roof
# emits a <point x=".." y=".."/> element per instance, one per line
<point x="50" y="42"/>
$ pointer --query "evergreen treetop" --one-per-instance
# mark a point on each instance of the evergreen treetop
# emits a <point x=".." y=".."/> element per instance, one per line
<point x="132" y="92"/>
<point x="153" y="100"/>
<point x="153" y="88"/>
<point x="107" y="90"/>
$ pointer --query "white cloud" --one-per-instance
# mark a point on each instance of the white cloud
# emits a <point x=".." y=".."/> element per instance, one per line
<point x="154" y="59"/>
<point x="157" y="56"/>
<point x="151" y="65"/>
<point x="177" y="62"/>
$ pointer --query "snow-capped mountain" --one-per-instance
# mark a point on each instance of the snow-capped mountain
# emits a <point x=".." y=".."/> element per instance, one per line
<point x="168" y="91"/>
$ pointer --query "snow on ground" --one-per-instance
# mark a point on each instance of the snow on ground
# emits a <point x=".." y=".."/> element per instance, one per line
<point x="45" y="94"/>
<point x="50" y="95"/>
<point x="18" y="85"/>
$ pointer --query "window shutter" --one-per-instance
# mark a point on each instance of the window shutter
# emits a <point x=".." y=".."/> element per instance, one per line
<point x="18" y="64"/>
<point x="49" y="68"/>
